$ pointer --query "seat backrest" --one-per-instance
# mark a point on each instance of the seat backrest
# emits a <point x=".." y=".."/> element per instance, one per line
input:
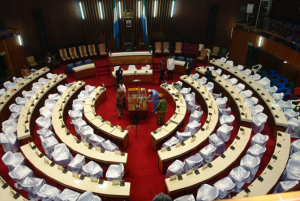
<point x="157" y="45"/>
<point x="30" y="59"/>
<point x="200" y="47"/>
<point x="88" y="61"/>
<point x="195" y="47"/>
<point x="216" y="49"/>
<point x="102" y="47"/>
<point x="203" y="52"/>
<point x="187" y="46"/>
<point x="82" y="50"/>
<point x="178" y="46"/>
<point x="166" y="45"/>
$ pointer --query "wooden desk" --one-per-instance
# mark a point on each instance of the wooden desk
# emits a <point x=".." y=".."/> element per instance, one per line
<point x="93" y="101"/>
<point x="205" y="99"/>
<point x="270" y="177"/>
<point x="143" y="75"/>
<point x="123" y="58"/>
<point x="10" y="95"/>
<point x="219" y="165"/>
<point x="277" y="120"/>
<point x="67" y="180"/>
<point x="179" y="67"/>
<point x="34" y="104"/>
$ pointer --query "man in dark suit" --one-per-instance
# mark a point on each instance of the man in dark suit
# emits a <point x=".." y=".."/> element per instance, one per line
<point x="49" y="62"/>
<point x="209" y="75"/>
<point x="188" y="66"/>
<point x="119" y="75"/>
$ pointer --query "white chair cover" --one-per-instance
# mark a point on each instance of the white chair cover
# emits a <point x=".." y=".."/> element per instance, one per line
<point x="20" y="173"/>
<point x="218" y="72"/>
<point x="76" y="164"/>
<point x="207" y="193"/>
<point x="45" y="133"/>
<point x="9" y="126"/>
<point x="264" y="82"/>
<point x="256" y="109"/>
<point x="285" y="105"/>
<point x="210" y="87"/>
<point x="2" y="91"/>
<point x="27" y="94"/>
<point x="132" y="67"/>
<point x="47" y="193"/>
<point x="32" y="185"/>
<point x="221" y="102"/>
<point x="258" y="122"/>
<point x="192" y="107"/>
<point x="44" y="123"/>
<point x="208" y="153"/>
<point x="109" y="146"/>
<point x="43" y="81"/>
<point x="55" y="96"/>
<point x="67" y="195"/>
<point x="250" y="163"/>
<point x="89" y="88"/>
<point x="278" y="96"/>
<point x="225" y="77"/>
<point x="226" y="119"/>
<point x="75" y="114"/>
<point x="88" y="195"/>
<point x="272" y="90"/>
<point x="171" y="142"/>
<point x="224" y="132"/>
<point x="51" y="75"/>
<point x="217" y="95"/>
<point x="116" y="68"/>
<point x="232" y="81"/>
<point x="284" y="186"/>
<point x="239" y="176"/>
<point x="175" y="168"/>
<point x="202" y="80"/>
<point x="9" y="142"/>
<point x="292" y="171"/>
<point x="251" y="101"/>
<point x="246" y="93"/>
<point x="218" y="143"/>
<point x="179" y="85"/>
<point x="256" y="150"/>
<point x="184" y="91"/>
<point x="36" y="86"/>
<point x="15" y="108"/>
<point x="92" y="169"/>
<point x="226" y="111"/>
<point x="49" y="103"/>
<point x="21" y="101"/>
<point x="194" y="76"/>
<point x="225" y="186"/>
<point x="247" y="72"/>
<point x="12" y="160"/>
<point x="255" y="77"/>
<point x="183" y="136"/>
<point x="96" y="140"/>
<point x="295" y="156"/>
<point x="61" y="155"/>
<point x="259" y="139"/>
<point x="239" y="87"/>
<point x="192" y="162"/>
<point x="85" y="133"/>
<point x="83" y="95"/>
<point x="189" y="197"/>
<point x="222" y="59"/>
<point x="48" y="145"/>
<point x="45" y="112"/>
<point x="77" y="105"/>
<point x="14" y="117"/>
<point x="289" y="114"/>
<point x="190" y="97"/>
<point x="211" y="68"/>
<point x="70" y="84"/>
<point x="195" y="116"/>
<point x="78" y="123"/>
<point x="229" y="63"/>
<point x="115" y="172"/>
<point x="295" y="147"/>
<point x="239" y="67"/>
<point x="192" y="127"/>
<point x="8" y="85"/>
<point x="61" y="89"/>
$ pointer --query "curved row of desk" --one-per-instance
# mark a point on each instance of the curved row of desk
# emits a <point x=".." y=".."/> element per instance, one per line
<point x="30" y="112"/>
<point x="59" y="116"/>
<point x="278" y="121"/>
<point x="8" y="194"/>
<point x="93" y="101"/>
<point x="179" y="105"/>
<point x="204" y="98"/>
<point x="11" y="94"/>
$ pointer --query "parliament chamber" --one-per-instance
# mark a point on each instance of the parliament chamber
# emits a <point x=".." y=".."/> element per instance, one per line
<point x="136" y="100"/>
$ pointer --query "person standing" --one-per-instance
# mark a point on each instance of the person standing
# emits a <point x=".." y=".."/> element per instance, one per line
<point x="120" y="100"/>
<point x="25" y="71"/>
<point x="153" y="94"/>
<point x="119" y="74"/>
<point x="161" y="109"/>
<point x="170" y="66"/>
<point x="188" y="66"/>
<point x="49" y="62"/>
<point x="122" y="86"/>
<point x="209" y="75"/>
<point x="162" y="67"/>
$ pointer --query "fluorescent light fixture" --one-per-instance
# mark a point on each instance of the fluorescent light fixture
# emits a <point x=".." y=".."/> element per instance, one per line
<point x="172" y="11"/>
<point x="100" y="8"/>
<point x="285" y="62"/>
<point x="154" y="9"/>
<point x="120" y="8"/>
<point x="260" y="40"/>
<point x="82" y="15"/>
<point x="139" y="9"/>
<point x="20" y="40"/>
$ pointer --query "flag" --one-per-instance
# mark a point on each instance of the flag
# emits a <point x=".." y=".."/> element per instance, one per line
<point x="116" y="24"/>
<point x="144" y="21"/>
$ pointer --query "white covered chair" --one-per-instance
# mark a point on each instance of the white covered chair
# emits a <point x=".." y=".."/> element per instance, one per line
<point x="208" y="153"/>
<point x="89" y="88"/>
<point x="207" y="193"/>
<point x="15" y="108"/>
<point x="45" y="133"/>
<point x="51" y="75"/>
<point x="289" y="114"/>
<point x="295" y="146"/>
<point x="9" y="142"/>
<point x="255" y="77"/>
<point x="32" y="185"/>
<point x="19" y="173"/>
<point x="224" y="132"/>
<point x="218" y="72"/>
<point x="229" y="63"/>
<point x="225" y="77"/>
<point x="232" y="81"/>
<point x="190" y="97"/>
<point x="48" y="144"/>
<point x="189" y="197"/>
<point x="96" y="140"/>
<point x="239" y="176"/>
<point x="83" y="95"/>
<point x="218" y="143"/>
<point x="14" y="117"/>
<point x="43" y="81"/>
<point x="193" y="107"/>
<point x="8" y="85"/>
<point x="36" y="86"/>
<point x="256" y="150"/>
<point x="258" y="122"/>
<point x="225" y="186"/>
<point x="78" y="123"/>
<point x="175" y="168"/>
<point x="295" y="156"/>
<point x="250" y="163"/>
<point x="2" y="91"/>
<point x="49" y="103"/>
<point x="251" y="101"/>
<point x="192" y="162"/>
<point x="77" y="105"/>
<point x="293" y="128"/>
<point x="195" y="116"/>
<point x="284" y="186"/>
<point x="85" y="133"/>
<point x="147" y="67"/>
<point x="61" y="155"/>
<point x="226" y="111"/>
<point x="88" y="195"/>
<point x="70" y="84"/>
<point x="272" y="90"/>
<point x="21" y="101"/>
<point x="264" y="82"/>
<point x="183" y="136"/>
<point x="285" y="105"/>
<point x="217" y="95"/>
<point x="45" y="112"/>
<point x="61" y="89"/>
<point x="202" y="80"/>
<point x="226" y="119"/>
<point x="210" y="87"/>
<point x="194" y="76"/>
<point x="110" y="146"/>
<point x="178" y="85"/>
<point x="171" y="142"/>
<point x="12" y="160"/>
<point x="239" y="67"/>
<point x="9" y="126"/>
<point x="43" y="122"/>
<point x="75" y="114"/>
<point x="222" y="59"/>
<point x="256" y="109"/>
<point x="92" y="169"/>
<point x="192" y="127"/>
<point x="292" y="171"/>
<point x="221" y="102"/>
<point x="67" y="195"/>
<point x="27" y="94"/>
<point x="259" y="139"/>
<point x="278" y="96"/>
<point x="247" y="72"/>
<point x="184" y="91"/>
<point x="246" y="93"/>
<point x="115" y="172"/>
<point x="47" y="193"/>
<point x="239" y="87"/>
<point x="55" y="96"/>
<point x="116" y="68"/>
<point x="76" y="164"/>
<point x="132" y="67"/>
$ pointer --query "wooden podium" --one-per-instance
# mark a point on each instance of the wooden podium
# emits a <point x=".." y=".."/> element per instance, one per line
<point x="133" y="98"/>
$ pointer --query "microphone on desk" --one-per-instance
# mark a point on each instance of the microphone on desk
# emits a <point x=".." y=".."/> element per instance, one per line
<point x="270" y="167"/>
<point x="277" y="113"/>
<point x="232" y="147"/>
<point x="278" y="144"/>
<point x="260" y="177"/>
<point x="274" y="155"/>
<point x="268" y="98"/>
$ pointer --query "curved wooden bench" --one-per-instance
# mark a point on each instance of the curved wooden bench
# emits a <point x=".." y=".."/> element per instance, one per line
<point x="85" y="70"/>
